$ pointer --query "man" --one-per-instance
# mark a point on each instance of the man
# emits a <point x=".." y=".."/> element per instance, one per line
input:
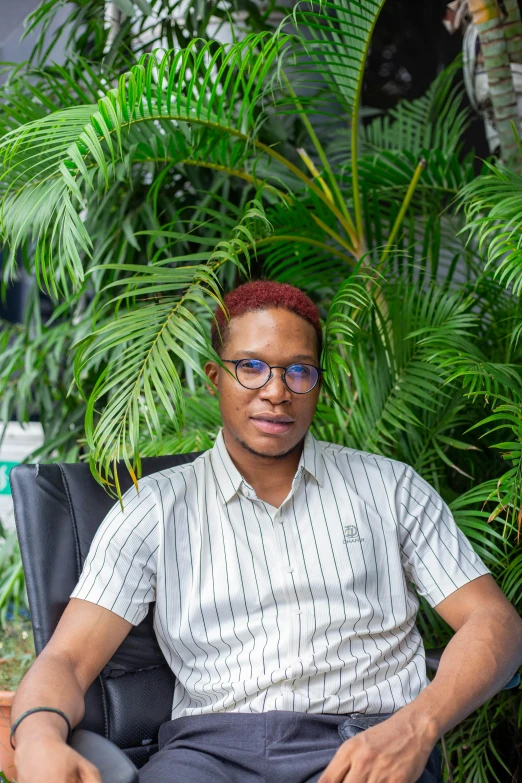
<point x="282" y="570"/>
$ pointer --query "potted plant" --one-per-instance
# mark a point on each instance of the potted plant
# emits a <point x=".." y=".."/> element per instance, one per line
<point x="15" y="638"/>
<point x="6" y="753"/>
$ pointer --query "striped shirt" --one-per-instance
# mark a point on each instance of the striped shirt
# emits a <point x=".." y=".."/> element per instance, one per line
<point x="309" y="607"/>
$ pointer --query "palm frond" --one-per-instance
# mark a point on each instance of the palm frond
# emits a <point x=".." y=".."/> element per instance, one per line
<point x="393" y="378"/>
<point x="482" y="378"/>
<point x="190" y="101"/>
<point x="435" y="121"/>
<point x="507" y="417"/>
<point x="351" y="299"/>
<point x="338" y="36"/>
<point x="305" y="246"/>
<point x="492" y="202"/>
<point x="338" y="39"/>
<point x="199" y="431"/>
<point x="143" y="343"/>
<point x="471" y="515"/>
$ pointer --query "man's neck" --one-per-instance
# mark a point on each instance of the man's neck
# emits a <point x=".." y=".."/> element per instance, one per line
<point x="271" y="477"/>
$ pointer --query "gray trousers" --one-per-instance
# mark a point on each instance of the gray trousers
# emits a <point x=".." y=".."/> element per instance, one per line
<point x="277" y="746"/>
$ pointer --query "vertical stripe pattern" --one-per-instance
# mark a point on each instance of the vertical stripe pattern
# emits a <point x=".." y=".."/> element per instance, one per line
<point x="310" y="607"/>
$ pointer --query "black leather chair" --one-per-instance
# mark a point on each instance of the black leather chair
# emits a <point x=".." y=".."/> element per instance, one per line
<point x="58" y="509"/>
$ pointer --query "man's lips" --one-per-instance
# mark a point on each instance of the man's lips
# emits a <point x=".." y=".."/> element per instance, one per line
<point x="270" y="426"/>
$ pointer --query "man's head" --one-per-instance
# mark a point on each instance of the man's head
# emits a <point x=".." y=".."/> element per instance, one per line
<point x="277" y="324"/>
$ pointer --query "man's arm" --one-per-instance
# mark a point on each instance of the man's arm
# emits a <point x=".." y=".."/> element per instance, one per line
<point x="480" y="659"/>
<point x="84" y="641"/>
<point x="486" y="649"/>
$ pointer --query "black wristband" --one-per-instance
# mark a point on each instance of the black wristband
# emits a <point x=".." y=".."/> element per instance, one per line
<point x="39" y="709"/>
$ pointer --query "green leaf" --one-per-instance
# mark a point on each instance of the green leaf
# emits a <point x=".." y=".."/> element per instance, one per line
<point x="126" y="6"/>
<point x="144" y="346"/>
<point x="50" y="164"/>
<point x="492" y="202"/>
<point x="144" y="6"/>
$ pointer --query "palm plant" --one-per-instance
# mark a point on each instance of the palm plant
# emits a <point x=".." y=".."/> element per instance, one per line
<point x="36" y="374"/>
<point x="494" y="219"/>
<point x="202" y="107"/>
<point x="139" y="196"/>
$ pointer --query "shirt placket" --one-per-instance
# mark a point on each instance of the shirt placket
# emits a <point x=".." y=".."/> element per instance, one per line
<point x="283" y="523"/>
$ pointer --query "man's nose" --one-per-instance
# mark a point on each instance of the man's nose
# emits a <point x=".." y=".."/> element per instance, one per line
<point x="276" y="389"/>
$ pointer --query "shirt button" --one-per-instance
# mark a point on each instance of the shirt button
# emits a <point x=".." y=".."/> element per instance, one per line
<point x="292" y="686"/>
<point x="280" y="520"/>
<point x="298" y="612"/>
<point x="289" y="570"/>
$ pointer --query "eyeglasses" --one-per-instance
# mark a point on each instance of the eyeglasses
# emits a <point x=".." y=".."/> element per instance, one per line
<point x="254" y="373"/>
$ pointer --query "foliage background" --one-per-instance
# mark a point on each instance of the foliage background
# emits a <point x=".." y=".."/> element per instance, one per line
<point x="423" y="349"/>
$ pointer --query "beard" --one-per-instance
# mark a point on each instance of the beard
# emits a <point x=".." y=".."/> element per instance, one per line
<point x="267" y="456"/>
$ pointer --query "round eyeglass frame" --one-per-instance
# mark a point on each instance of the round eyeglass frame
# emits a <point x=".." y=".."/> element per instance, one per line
<point x="235" y="362"/>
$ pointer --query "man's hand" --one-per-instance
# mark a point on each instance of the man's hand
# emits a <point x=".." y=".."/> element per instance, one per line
<point x="394" y="751"/>
<point x="50" y="759"/>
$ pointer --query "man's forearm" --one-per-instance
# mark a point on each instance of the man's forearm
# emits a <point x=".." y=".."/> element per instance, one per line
<point x="50" y="682"/>
<point x="479" y="660"/>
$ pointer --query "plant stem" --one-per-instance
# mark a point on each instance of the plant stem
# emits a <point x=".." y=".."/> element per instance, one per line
<point x="333" y="234"/>
<point x="311" y="184"/>
<point x="488" y="20"/>
<point x="320" y="151"/>
<point x="356" y="192"/>
<point x="402" y="211"/>
<point x="306" y="241"/>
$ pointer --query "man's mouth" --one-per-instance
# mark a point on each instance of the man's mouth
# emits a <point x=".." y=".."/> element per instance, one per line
<point x="273" y="425"/>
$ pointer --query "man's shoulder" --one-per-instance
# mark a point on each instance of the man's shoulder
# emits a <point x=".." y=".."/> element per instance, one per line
<point x="171" y="478"/>
<point x="347" y="458"/>
<point x="176" y="473"/>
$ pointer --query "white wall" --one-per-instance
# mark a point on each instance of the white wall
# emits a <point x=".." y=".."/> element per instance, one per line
<point x="12" y="15"/>
<point x="19" y="441"/>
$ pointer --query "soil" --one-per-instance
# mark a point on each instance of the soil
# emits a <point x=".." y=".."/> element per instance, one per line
<point x="16" y="652"/>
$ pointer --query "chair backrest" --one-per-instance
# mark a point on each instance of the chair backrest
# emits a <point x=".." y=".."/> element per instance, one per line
<point x="58" y="509"/>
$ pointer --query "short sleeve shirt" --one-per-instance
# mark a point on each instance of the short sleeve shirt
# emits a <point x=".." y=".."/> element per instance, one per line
<point x="307" y="607"/>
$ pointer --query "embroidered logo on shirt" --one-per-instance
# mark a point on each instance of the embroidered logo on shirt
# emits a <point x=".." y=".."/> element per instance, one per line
<point x="351" y="534"/>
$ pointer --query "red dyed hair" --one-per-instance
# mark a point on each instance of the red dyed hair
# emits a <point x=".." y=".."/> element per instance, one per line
<point x="262" y="295"/>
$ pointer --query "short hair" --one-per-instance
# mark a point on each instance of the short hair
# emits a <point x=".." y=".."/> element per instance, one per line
<point x="263" y="295"/>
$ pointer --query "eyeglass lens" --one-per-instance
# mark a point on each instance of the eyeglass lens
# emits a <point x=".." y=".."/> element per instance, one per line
<point x="254" y="373"/>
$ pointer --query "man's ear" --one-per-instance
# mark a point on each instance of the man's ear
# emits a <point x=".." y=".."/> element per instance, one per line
<point x="212" y="372"/>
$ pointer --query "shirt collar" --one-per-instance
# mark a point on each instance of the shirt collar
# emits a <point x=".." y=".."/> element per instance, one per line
<point x="228" y="477"/>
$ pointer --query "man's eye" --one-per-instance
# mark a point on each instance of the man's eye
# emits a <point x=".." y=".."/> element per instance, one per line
<point x="299" y="369"/>
<point x="252" y="366"/>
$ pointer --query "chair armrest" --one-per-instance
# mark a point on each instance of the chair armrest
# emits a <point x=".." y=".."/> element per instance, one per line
<point x="514" y="681"/>
<point x="114" y="766"/>
<point x="433" y="657"/>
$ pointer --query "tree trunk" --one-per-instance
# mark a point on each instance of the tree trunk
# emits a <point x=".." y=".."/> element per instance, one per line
<point x="513" y="30"/>
<point x="487" y="17"/>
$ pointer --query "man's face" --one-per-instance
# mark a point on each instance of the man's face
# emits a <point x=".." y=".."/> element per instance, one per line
<point x="278" y="337"/>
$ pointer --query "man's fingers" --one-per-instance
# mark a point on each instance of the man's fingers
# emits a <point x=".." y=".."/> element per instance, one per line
<point x="351" y="764"/>
<point x="351" y="776"/>
<point x="89" y="773"/>
<point x="338" y="768"/>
